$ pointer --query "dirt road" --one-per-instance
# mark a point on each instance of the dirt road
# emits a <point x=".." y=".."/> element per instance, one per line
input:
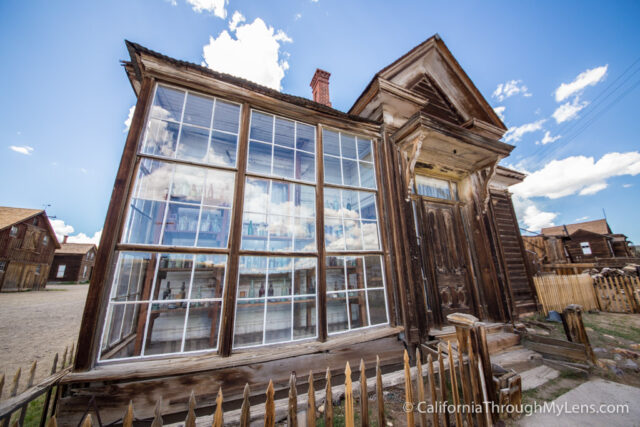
<point x="36" y="325"/>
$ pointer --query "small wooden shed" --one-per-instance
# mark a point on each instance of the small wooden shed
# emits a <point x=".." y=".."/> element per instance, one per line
<point x="73" y="262"/>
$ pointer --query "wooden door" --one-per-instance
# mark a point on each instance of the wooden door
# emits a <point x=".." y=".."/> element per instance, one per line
<point x="447" y="251"/>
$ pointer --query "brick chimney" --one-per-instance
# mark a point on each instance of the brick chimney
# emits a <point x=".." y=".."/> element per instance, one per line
<point x="64" y="240"/>
<point x="320" y="86"/>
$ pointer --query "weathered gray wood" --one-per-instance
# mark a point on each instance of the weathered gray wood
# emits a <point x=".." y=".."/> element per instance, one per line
<point x="32" y="373"/>
<point x="443" y="384"/>
<point x="379" y="394"/>
<point x="432" y="391"/>
<point x="245" y="410"/>
<point x="157" y="416"/>
<point x="364" y="396"/>
<point x="454" y="386"/>
<point x="292" y="415"/>
<point x="15" y="383"/>
<point x="190" y="421"/>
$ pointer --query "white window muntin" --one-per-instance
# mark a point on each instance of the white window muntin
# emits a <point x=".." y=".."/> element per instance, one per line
<point x="355" y="159"/>
<point x="359" y="218"/>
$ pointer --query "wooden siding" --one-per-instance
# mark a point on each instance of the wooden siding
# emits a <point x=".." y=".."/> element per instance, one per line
<point x="27" y="258"/>
<point x="74" y="267"/>
<point x="599" y="246"/>
<point x="513" y="257"/>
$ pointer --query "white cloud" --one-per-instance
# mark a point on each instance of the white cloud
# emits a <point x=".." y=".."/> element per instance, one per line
<point x="586" y="78"/>
<point x="61" y="229"/>
<point x="516" y="133"/>
<point x="509" y="89"/>
<point x="583" y="218"/>
<point x="577" y="174"/>
<point x="569" y="110"/>
<point x="253" y="54"/>
<point x="531" y="217"/>
<point x="298" y="16"/>
<point x="627" y="185"/>
<point x="83" y="170"/>
<point x="217" y="7"/>
<point x="22" y="149"/>
<point x="236" y="19"/>
<point x="127" y="122"/>
<point x="500" y="111"/>
<point x="548" y="139"/>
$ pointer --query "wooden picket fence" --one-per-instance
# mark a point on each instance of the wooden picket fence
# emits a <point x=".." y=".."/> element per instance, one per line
<point x="462" y="385"/>
<point x="556" y="292"/>
<point x="618" y="294"/>
<point x="13" y="409"/>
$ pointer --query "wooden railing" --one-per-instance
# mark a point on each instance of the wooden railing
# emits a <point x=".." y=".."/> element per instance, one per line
<point x="557" y="292"/>
<point x="618" y="294"/>
<point x="14" y="409"/>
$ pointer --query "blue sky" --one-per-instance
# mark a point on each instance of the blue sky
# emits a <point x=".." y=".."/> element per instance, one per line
<point x="65" y="97"/>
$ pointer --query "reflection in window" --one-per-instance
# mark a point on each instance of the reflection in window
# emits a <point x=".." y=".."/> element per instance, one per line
<point x="355" y="293"/>
<point x="436" y="188"/>
<point x="281" y="147"/>
<point x="164" y="303"/>
<point x="278" y="216"/>
<point x="351" y="221"/>
<point x="180" y="205"/>
<point x="188" y="126"/>
<point x="348" y="160"/>
<point x="276" y="300"/>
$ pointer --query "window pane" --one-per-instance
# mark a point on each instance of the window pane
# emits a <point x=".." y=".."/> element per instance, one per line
<point x="252" y="277"/>
<point x="208" y="276"/>
<point x="198" y="110"/>
<point x="223" y="149"/>
<point x="121" y="323"/>
<point x="259" y="158"/>
<point x="304" y="317"/>
<point x="367" y="176"/>
<point x="355" y="272"/>
<point x="256" y="195"/>
<point x="350" y="204"/>
<point x="280" y="233"/>
<point x="377" y="307"/>
<point x="226" y="117"/>
<point x="305" y="200"/>
<point x="331" y="142"/>
<point x="214" y="228"/>
<point x="134" y="270"/>
<point x="305" y="166"/>
<point x="281" y="196"/>
<point x="254" y="232"/>
<point x="334" y="234"/>
<point x="350" y="173"/>
<point x="278" y="321"/>
<point x="261" y="127"/>
<point x="219" y="188"/>
<point x="370" y="234"/>
<point x="335" y="274"/>
<point x="165" y="327"/>
<point x="332" y="171"/>
<point x="352" y="234"/>
<point x="332" y="202"/>
<point x="168" y="103"/>
<point x="152" y="180"/>
<point x="161" y="138"/>
<point x="433" y="187"/>
<point x="284" y="132"/>
<point x="174" y="277"/>
<point x="283" y="162"/>
<point x="187" y="184"/>
<point x="280" y="279"/>
<point x="305" y="276"/>
<point x="364" y="150"/>
<point x="144" y="222"/>
<point x="374" y="271"/>
<point x="181" y="225"/>
<point x="306" y="138"/>
<point x="337" y="312"/>
<point x="358" y="309"/>
<point x="304" y="235"/>
<point x="348" y="144"/>
<point x="193" y="143"/>
<point x="203" y="325"/>
<point x="368" y="205"/>
<point x="249" y="323"/>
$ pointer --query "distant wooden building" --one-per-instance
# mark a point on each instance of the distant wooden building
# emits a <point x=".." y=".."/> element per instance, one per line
<point x="584" y="242"/>
<point x="27" y="245"/>
<point x="73" y="262"/>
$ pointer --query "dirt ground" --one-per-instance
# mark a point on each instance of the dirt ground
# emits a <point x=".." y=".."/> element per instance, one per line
<point x="36" y="325"/>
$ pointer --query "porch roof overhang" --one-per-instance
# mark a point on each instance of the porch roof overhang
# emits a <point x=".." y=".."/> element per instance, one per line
<point x="430" y="140"/>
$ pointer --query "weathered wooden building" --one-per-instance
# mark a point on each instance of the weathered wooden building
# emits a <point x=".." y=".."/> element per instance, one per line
<point x="251" y="233"/>
<point x="27" y="245"/>
<point x="584" y="242"/>
<point x="73" y="262"/>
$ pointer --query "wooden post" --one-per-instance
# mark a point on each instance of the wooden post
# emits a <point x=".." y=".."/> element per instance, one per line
<point x="443" y="385"/>
<point x="270" y="407"/>
<point x="87" y="422"/>
<point x="218" y="416"/>
<point x="1" y="384"/>
<point x="32" y="373"/>
<point x="432" y="391"/>
<point x="52" y="422"/>
<point x="328" y="400"/>
<point x="454" y="385"/>
<point x="574" y="329"/>
<point x="348" y="397"/>
<point x="190" y="421"/>
<point x="15" y="384"/>
<point x="157" y="415"/>
<point x="364" y="396"/>
<point x="379" y="394"/>
<point x="408" y="391"/>
<point x="311" y="402"/>
<point x="292" y="412"/>
<point x="420" y="384"/>
<point x="45" y="408"/>
<point x="127" y="420"/>
<point x="245" y="410"/>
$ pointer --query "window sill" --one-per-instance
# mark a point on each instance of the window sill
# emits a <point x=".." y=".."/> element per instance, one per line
<point x="137" y="369"/>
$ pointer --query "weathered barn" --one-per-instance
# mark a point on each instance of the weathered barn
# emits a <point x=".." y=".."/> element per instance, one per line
<point x="251" y="233"/>
<point x="27" y="245"/>
<point x="73" y="262"/>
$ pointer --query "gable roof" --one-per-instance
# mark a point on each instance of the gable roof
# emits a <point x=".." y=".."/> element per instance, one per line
<point x="135" y="50"/>
<point x="75" y="248"/>
<point x="599" y="226"/>
<point x="10" y="216"/>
